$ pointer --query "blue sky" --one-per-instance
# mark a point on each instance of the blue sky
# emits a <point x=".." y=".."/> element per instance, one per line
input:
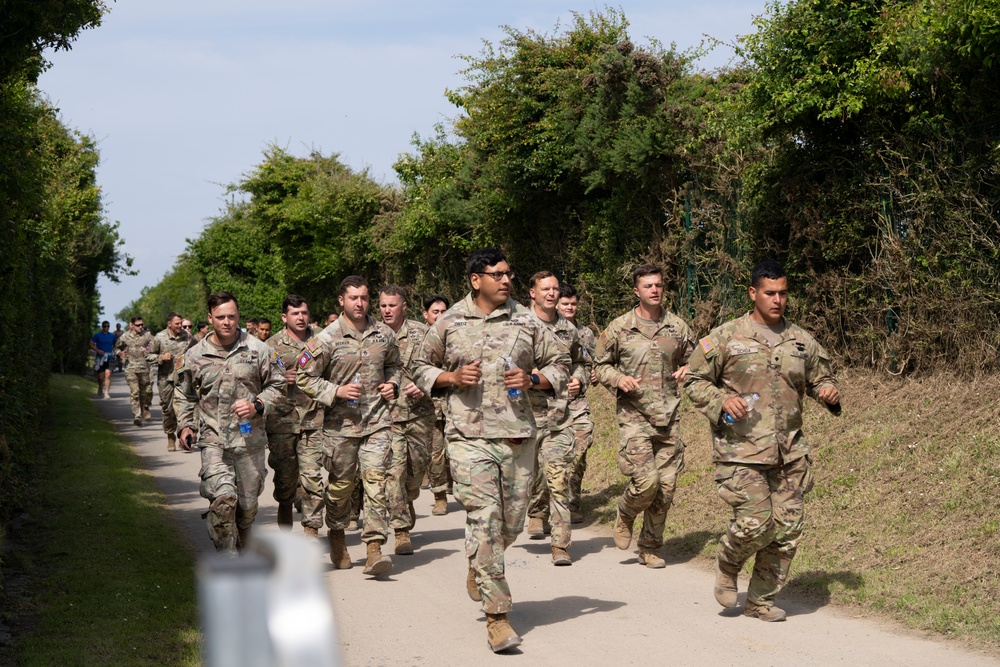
<point x="184" y="96"/>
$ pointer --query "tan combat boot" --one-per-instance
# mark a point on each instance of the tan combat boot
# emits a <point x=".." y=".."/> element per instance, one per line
<point x="338" y="550"/>
<point x="404" y="547"/>
<point x="310" y="532"/>
<point x="536" y="528"/>
<point x="575" y="517"/>
<point x="440" y="504"/>
<point x="560" y="556"/>
<point x="377" y="564"/>
<point x="499" y="634"/>
<point x="651" y="559"/>
<point x="171" y="442"/>
<point x="472" y="587"/>
<point x="725" y="584"/>
<point x="623" y="531"/>
<point x="770" y="614"/>
<point x="146" y="414"/>
<point x="285" y="516"/>
<point x="244" y="535"/>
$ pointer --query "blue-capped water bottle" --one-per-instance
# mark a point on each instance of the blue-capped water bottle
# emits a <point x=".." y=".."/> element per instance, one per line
<point x="245" y="427"/>
<point x="750" y="399"/>
<point x="353" y="402"/>
<point x="514" y="394"/>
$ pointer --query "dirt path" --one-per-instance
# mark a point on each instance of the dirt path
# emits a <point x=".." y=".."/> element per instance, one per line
<point x="604" y="609"/>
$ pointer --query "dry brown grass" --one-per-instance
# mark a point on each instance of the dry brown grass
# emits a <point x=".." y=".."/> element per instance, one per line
<point x="905" y="516"/>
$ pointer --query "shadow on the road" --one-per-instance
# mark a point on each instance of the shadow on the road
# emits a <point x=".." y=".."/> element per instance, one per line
<point x="810" y="591"/>
<point x="420" y="557"/>
<point x="534" y="613"/>
<point x="683" y="548"/>
<point x="578" y="549"/>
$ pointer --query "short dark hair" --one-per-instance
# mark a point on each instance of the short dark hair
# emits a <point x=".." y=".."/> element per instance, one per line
<point x="216" y="299"/>
<point x="172" y="314"/>
<point x="264" y="320"/>
<point x="769" y="269"/>
<point x="105" y="323"/>
<point x="645" y="270"/>
<point x="431" y="300"/>
<point x="541" y="275"/>
<point x="131" y="321"/>
<point x="202" y="325"/>
<point x="253" y="320"/>
<point x="567" y="291"/>
<point x="293" y="301"/>
<point x="483" y="258"/>
<point x="394" y="290"/>
<point x="351" y="281"/>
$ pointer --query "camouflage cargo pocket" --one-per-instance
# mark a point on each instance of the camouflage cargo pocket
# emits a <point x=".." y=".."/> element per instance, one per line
<point x="729" y="489"/>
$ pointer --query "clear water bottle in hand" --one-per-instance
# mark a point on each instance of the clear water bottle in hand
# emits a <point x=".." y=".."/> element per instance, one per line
<point x="751" y="400"/>
<point x="245" y="427"/>
<point x="353" y="402"/>
<point x="514" y="394"/>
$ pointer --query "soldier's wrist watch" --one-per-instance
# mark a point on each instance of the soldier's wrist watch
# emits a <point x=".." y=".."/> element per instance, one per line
<point x="535" y="380"/>
<point x="258" y="405"/>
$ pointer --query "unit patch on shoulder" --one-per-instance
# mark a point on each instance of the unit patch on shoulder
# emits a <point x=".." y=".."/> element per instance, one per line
<point x="604" y="338"/>
<point x="304" y="359"/>
<point x="706" y="347"/>
<point x="276" y="358"/>
<point x="179" y="364"/>
<point x="311" y="344"/>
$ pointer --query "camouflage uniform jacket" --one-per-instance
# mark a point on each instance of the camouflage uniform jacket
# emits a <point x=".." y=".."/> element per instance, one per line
<point x="294" y="411"/>
<point x="212" y="379"/>
<point x="136" y="348"/>
<point x="734" y="360"/>
<point x="550" y="410"/>
<point x="580" y="405"/>
<point x="464" y="334"/>
<point x="331" y="359"/>
<point x="410" y="336"/>
<point x="624" y="348"/>
<point x="175" y="345"/>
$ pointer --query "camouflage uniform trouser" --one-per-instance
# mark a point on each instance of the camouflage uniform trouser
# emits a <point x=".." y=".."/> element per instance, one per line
<point x="583" y="439"/>
<point x="342" y="458"/>
<point x="297" y="461"/>
<point x="407" y="464"/>
<point x="140" y="391"/>
<point x="231" y="479"/>
<point x="492" y="480"/>
<point x="439" y="471"/>
<point x="653" y="462"/>
<point x="550" y="486"/>
<point x="768" y="512"/>
<point x="165" y="388"/>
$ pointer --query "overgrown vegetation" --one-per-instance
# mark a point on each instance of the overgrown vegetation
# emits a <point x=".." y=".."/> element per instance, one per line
<point x="110" y="577"/>
<point x="902" y="520"/>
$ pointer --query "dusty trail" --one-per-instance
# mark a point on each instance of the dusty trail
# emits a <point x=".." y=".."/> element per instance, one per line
<point x="604" y="609"/>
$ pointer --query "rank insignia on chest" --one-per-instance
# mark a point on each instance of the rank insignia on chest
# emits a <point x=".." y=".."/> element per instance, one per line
<point x="304" y="359"/>
<point x="311" y="345"/>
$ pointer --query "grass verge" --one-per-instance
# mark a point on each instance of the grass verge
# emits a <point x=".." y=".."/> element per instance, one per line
<point x="108" y="578"/>
<point x="903" y="521"/>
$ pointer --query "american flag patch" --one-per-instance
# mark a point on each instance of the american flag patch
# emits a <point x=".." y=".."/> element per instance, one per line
<point x="311" y="345"/>
<point x="604" y="338"/>
<point x="304" y="359"/>
<point x="706" y="346"/>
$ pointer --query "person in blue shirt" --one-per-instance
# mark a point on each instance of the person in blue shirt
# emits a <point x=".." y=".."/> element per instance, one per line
<point x="103" y="345"/>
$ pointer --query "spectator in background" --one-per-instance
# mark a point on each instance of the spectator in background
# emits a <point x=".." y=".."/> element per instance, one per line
<point x="103" y="345"/>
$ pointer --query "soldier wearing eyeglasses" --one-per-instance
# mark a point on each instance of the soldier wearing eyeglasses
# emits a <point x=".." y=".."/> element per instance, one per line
<point x="491" y="433"/>
<point x="133" y="347"/>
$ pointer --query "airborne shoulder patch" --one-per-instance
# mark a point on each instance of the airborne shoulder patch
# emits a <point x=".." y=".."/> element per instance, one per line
<point x="304" y="359"/>
<point x="706" y="347"/>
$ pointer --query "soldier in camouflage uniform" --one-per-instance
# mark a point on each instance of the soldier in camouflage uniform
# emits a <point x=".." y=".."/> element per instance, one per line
<point x="641" y="357"/>
<point x="762" y="459"/>
<point x="550" y="488"/>
<point x="294" y="426"/>
<point x="229" y="375"/>
<point x="491" y="431"/>
<point x="167" y="346"/>
<point x="412" y="421"/>
<point x="579" y="407"/>
<point x="438" y="473"/>
<point x="133" y="347"/>
<point x="352" y="367"/>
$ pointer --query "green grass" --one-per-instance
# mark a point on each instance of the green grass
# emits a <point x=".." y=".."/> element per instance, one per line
<point x="903" y="521"/>
<point x="110" y="577"/>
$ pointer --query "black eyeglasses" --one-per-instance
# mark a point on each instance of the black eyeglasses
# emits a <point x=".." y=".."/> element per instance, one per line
<point x="185" y="327"/>
<point x="497" y="275"/>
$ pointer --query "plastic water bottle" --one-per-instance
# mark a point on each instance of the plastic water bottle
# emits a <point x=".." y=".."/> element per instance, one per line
<point x="751" y="400"/>
<point x="515" y="395"/>
<point x="353" y="402"/>
<point x="245" y="427"/>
